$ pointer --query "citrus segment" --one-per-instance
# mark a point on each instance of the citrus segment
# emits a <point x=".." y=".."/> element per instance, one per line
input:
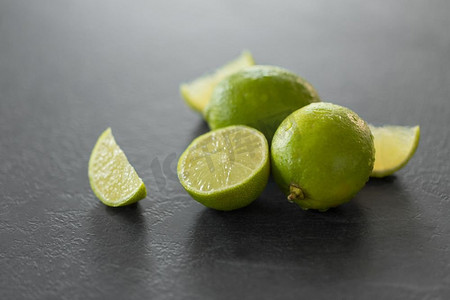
<point x="112" y="178"/>
<point x="226" y="169"/>
<point x="198" y="92"/>
<point x="394" y="147"/>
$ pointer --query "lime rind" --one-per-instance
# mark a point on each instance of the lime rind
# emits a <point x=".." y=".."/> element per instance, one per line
<point x="394" y="148"/>
<point x="322" y="155"/>
<point x="197" y="93"/>
<point x="112" y="178"/>
<point x="259" y="96"/>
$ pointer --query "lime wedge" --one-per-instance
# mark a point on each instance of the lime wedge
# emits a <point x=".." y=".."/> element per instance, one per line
<point x="226" y="169"/>
<point x="198" y="92"/>
<point x="113" y="179"/>
<point x="394" y="147"/>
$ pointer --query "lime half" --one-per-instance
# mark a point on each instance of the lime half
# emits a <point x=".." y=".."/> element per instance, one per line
<point x="198" y="92"/>
<point x="112" y="178"/>
<point x="226" y="169"/>
<point x="394" y="147"/>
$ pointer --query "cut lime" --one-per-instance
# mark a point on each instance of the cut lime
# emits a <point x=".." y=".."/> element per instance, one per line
<point x="198" y="92"/>
<point x="226" y="169"/>
<point x="112" y="178"/>
<point x="394" y="147"/>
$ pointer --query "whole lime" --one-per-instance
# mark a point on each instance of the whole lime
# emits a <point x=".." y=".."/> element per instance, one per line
<point x="322" y="155"/>
<point x="258" y="96"/>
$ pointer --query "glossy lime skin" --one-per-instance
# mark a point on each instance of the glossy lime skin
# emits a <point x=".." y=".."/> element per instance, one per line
<point x="325" y="150"/>
<point x="258" y="96"/>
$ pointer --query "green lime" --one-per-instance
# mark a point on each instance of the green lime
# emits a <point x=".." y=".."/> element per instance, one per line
<point x="322" y="155"/>
<point x="112" y="178"/>
<point x="394" y="145"/>
<point x="260" y="97"/>
<point x="226" y="169"/>
<point x="198" y="92"/>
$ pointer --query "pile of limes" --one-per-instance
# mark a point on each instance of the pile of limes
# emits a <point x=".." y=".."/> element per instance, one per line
<point x="264" y="118"/>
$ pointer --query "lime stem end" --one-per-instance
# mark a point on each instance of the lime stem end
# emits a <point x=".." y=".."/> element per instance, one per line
<point x="296" y="193"/>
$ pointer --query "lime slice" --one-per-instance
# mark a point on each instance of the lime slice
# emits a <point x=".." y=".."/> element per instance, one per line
<point x="226" y="169"/>
<point x="394" y="147"/>
<point x="112" y="178"/>
<point x="198" y="92"/>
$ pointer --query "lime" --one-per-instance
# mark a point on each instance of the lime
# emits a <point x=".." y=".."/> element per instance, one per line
<point x="198" y="92"/>
<point x="226" y="169"/>
<point x="112" y="178"/>
<point x="258" y="96"/>
<point x="322" y="155"/>
<point x="394" y="145"/>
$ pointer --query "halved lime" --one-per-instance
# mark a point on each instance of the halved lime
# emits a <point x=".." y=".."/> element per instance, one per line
<point x="198" y="92"/>
<point x="226" y="169"/>
<point x="113" y="179"/>
<point x="394" y="147"/>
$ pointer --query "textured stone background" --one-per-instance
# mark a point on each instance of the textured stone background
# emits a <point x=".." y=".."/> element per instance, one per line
<point x="69" y="69"/>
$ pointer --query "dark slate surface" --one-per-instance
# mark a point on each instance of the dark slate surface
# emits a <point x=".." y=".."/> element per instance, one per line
<point x="69" y="69"/>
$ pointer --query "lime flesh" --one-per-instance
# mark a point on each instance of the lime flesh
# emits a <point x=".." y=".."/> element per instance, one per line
<point x="226" y="169"/>
<point x="322" y="155"/>
<point x="394" y="147"/>
<point x="113" y="180"/>
<point x="198" y="92"/>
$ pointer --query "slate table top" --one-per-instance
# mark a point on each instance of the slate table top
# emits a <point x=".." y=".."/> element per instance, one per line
<point x="70" y="69"/>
